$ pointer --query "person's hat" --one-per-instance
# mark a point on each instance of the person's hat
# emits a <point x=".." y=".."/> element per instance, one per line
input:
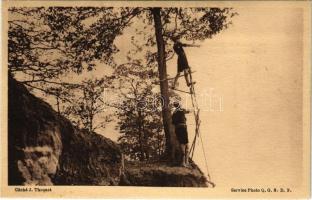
<point x="176" y="104"/>
<point x="175" y="38"/>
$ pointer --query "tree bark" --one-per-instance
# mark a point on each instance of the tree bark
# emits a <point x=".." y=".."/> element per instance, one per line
<point x="162" y="70"/>
<point x="58" y="105"/>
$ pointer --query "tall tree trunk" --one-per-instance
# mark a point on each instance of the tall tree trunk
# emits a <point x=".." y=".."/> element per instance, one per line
<point x="139" y="122"/>
<point x="58" y="104"/>
<point x="166" y="115"/>
<point x="91" y="111"/>
<point x="91" y="123"/>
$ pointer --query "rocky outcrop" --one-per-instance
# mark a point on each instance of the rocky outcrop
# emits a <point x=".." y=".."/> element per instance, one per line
<point x="89" y="159"/>
<point x="45" y="149"/>
<point x="161" y="174"/>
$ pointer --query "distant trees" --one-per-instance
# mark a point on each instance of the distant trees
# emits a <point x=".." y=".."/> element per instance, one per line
<point x="138" y="110"/>
<point x="140" y="124"/>
<point x="87" y="109"/>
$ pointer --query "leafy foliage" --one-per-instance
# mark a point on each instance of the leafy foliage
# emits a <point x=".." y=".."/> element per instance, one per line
<point x="46" y="42"/>
<point x="139" y="122"/>
<point x="138" y="111"/>
<point x="87" y="109"/>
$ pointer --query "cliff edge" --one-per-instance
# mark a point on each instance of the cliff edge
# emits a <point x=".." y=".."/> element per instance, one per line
<point x="46" y="149"/>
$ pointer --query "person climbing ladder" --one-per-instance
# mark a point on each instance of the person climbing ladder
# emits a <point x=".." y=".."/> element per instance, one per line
<point x="182" y="64"/>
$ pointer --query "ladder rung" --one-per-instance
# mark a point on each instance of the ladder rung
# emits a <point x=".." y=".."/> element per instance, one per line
<point x="174" y="77"/>
<point x="181" y="91"/>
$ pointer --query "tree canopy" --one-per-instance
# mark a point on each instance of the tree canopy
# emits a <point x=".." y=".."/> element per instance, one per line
<point x="47" y="42"/>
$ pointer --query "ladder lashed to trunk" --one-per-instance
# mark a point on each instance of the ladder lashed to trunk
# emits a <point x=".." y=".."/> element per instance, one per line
<point x="196" y="112"/>
<point x="163" y="82"/>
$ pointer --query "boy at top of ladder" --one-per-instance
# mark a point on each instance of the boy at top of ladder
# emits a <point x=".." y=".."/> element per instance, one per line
<point x="183" y="65"/>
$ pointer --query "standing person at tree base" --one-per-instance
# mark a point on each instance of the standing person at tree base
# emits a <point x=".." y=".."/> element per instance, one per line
<point x="179" y="121"/>
<point x="183" y="65"/>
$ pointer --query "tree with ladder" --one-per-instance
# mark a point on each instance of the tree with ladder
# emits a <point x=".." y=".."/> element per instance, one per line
<point x="75" y="44"/>
<point x="192" y="24"/>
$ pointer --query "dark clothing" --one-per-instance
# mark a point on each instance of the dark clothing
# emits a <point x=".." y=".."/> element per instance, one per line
<point x="182" y="60"/>
<point x="178" y="117"/>
<point x="179" y="120"/>
<point x="182" y="135"/>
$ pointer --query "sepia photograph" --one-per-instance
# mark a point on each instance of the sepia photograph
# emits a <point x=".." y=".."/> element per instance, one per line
<point x="155" y="99"/>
